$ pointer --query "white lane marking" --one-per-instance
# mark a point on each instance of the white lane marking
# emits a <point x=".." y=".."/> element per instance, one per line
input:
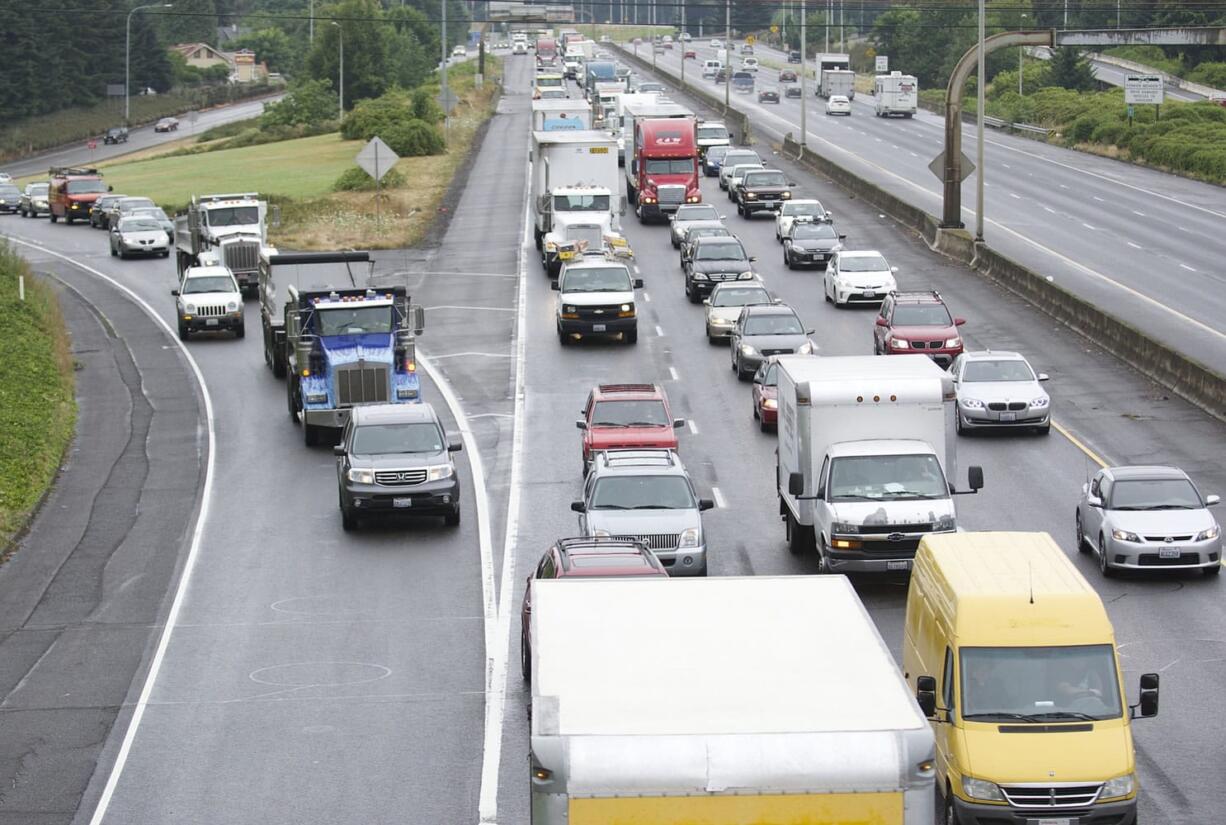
<point x="647" y="297"/>
<point x="471" y="308"/>
<point x="1138" y="214"/>
<point x="719" y="498"/>
<point x="1015" y="195"/>
<point x="469" y="354"/>
<point x="1097" y="198"/>
<point x="894" y="146"/>
<point x="1185" y="266"/>
<point x="1007" y="166"/>
<point x="693" y="426"/>
<point x="1086" y="225"/>
<point x="193" y="552"/>
<point x="672" y="372"/>
<point x="1185" y="229"/>
<point x="1049" y="209"/>
<point x="1062" y="186"/>
<point x="659" y="330"/>
<point x="498" y="637"/>
<point x="466" y="274"/>
<point x="1135" y="245"/>
<point x="914" y="155"/>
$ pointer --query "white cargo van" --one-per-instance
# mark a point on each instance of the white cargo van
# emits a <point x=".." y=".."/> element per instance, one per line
<point x="866" y="458"/>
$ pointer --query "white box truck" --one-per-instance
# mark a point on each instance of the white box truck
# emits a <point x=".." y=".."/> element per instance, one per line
<point x="896" y="94"/>
<point x="575" y="179"/>
<point x="782" y="706"/>
<point x="837" y="82"/>
<point x="866" y="458"/>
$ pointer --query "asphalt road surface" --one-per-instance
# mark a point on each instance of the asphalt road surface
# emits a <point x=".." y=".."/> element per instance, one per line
<point x="318" y="677"/>
<point x="1143" y="244"/>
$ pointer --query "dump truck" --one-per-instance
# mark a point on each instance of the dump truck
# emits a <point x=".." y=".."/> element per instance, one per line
<point x="234" y="225"/>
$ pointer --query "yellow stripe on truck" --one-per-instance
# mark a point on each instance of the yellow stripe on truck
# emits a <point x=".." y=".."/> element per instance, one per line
<point x="789" y="809"/>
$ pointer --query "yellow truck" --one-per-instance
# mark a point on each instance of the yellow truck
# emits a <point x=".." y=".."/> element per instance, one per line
<point x="720" y="701"/>
<point x="1013" y="659"/>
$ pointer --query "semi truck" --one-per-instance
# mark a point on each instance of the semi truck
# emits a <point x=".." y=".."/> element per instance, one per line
<point x="834" y="75"/>
<point x="866" y="458"/>
<point x="561" y="115"/>
<point x="344" y="344"/>
<point x="783" y="705"/>
<point x="662" y="166"/>
<point x="574" y="180"/>
<point x="895" y="94"/>
<point x="233" y="226"/>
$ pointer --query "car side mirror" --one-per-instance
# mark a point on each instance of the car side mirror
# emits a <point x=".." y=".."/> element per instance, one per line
<point x="705" y="504"/>
<point x="678" y="423"/>
<point x="844" y="237"/>
<point x="959" y="322"/>
<point x="1212" y="499"/>
<point x="926" y="695"/>
<point x="1093" y="501"/>
<point x="792" y="183"/>
<point x="174" y="292"/>
<point x="577" y="506"/>
<point x="455" y="446"/>
<point x="1044" y="376"/>
<point x="809" y="332"/>
<point x="638" y="283"/>
<point x="753" y="259"/>
<point x="338" y="450"/>
<point x="706" y="301"/>
<point x="881" y="322"/>
<point x="796" y="484"/>
<point x="580" y="425"/>
<point x="974" y="477"/>
<point x="1149" y="696"/>
<point x="555" y="286"/>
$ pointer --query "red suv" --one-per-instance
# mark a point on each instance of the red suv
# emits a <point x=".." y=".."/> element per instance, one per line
<point x="626" y="416"/>
<point x="917" y="323"/>
<point x="584" y="557"/>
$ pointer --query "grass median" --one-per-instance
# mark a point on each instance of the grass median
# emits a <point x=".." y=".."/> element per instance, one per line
<point x="37" y="408"/>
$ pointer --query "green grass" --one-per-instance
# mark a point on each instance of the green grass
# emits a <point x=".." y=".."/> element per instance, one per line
<point x="37" y="409"/>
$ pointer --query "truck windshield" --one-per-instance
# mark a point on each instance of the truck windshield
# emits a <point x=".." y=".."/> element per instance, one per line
<point x="597" y="279"/>
<point x="85" y="187"/>
<point x="581" y="203"/>
<point x="712" y="133"/>
<point x="546" y="81"/>
<point x="886" y="478"/>
<point x="1039" y="684"/>
<point x="642" y="493"/>
<point x="673" y="166"/>
<point x="629" y="414"/>
<point x="384" y="439"/>
<point x="765" y="179"/>
<point x="233" y="215"/>
<point x="354" y="320"/>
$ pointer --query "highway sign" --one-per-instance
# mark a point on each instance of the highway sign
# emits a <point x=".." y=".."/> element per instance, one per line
<point x="751" y="40"/>
<point x="774" y="30"/>
<point x="938" y="166"/>
<point x="1143" y="88"/>
<point x="377" y="158"/>
<point x="883" y="63"/>
<point x="447" y="99"/>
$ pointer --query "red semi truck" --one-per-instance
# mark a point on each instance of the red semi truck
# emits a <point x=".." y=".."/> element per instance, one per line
<point x="662" y="167"/>
<point x="546" y="52"/>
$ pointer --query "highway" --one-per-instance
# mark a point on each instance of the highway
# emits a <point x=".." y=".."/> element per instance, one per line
<point x="314" y="676"/>
<point x="1110" y="73"/>
<point x="1141" y="243"/>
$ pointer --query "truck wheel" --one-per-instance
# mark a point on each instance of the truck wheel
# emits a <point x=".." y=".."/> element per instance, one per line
<point x="796" y="544"/>
<point x="525" y="660"/>
<point x="240" y="331"/>
<point x="310" y="434"/>
<point x="279" y="367"/>
<point x="632" y="336"/>
<point x="291" y="399"/>
<point x="452" y="519"/>
<point x="536" y="237"/>
<point x="54" y="218"/>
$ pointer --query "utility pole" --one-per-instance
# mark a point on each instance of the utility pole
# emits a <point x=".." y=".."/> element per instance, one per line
<point x="727" y="54"/>
<point x="804" y="129"/>
<point x="127" y="59"/>
<point x="842" y="34"/>
<point x="443" y="73"/>
<point x="311" y="20"/>
<point x="979" y="84"/>
<point x="828" y="10"/>
<point x="682" y="44"/>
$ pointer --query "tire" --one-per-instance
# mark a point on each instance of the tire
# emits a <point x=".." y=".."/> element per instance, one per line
<point x="184" y="334"/>
<point x="563" y="338"/>
<point x="823" y="561"/>
<point x="632" y="337"/>
<point x="958" y="428"/>
<point x="1079" y="535"/>
<point x="1104" y="566"/>
<point x="676" y="244"/>
<point x="166" y="253"/>
<point x="741" y="375"/>
<point x="1044" y="430"/>
<point x="536" y="237"/>
<point x="712" y="340"/>
<point x="525" y="660"/>
<point x="240" y="331"/>
<point x="763" y="426"/>
<point x="349" y="518"/>
<point x="54" y="219"/>
<point x="787" y="259"/>
<point x="1215" y="570"/>
<point x="798" y="542"/>
<point x="291" y="399"/>
<point x="949" y="815"/>
<point x="452" y="519"/>
<point x="114" y="254"/>
<point x="310" y="434"/>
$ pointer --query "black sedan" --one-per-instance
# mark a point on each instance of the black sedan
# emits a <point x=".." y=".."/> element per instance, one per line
<point x="10" y="198"/>
<point x="768" y="96"/>
<point x="791" y="91"/>
<point x="811" y="244"/>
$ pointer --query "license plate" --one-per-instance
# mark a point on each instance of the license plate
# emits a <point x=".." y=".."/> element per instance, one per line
<point x="210" y="322"/>
<point x="868" y="294"/>
<point x="566" y="256"/>
<point x="1008" y="416"/>
<point x="402" y="502"/>
<point x="1168" y="552"/>
<point x="598" y="327"/>
<point x="1059" y="820"/>
<point x="898" y="565"/>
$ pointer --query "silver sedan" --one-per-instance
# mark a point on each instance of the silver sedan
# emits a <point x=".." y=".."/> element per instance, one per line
<point x="1148" y="518"/>
<point x="686" y="216"/>
<point x="139" y="236"/>
<point x="999" y="390"/>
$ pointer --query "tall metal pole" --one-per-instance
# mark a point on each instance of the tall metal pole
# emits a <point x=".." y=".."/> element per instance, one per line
<point x="727" y="54"/>
<point x="311" y="21"/>
<point x="127" y="59"/>
<point x="842" y="34"/>
<point x="444" y="92"/>
<point x="683" y="42"/>
<point x="828" y="7"/>
<point x="979" y="88"/>
<point x="804" y="130"/>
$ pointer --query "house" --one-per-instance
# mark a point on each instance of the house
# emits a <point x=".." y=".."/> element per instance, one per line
<point x="201" y="55"/>
<point x="242" y="63"/>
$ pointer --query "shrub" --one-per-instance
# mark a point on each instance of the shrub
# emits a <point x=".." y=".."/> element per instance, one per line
<point x="414" y="138"/>
<point x="307" y="102"/>
<point x="1082" y="129"/>
<point x="376" y="116"/>
<point x="355" y="179"/>
<point x="1210" y="74"/>
<point x="1110" y="134"/>
<point x="425" y="108"/>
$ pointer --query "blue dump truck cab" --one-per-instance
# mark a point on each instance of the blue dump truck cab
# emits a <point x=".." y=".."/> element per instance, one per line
<point x="349" y="346"/>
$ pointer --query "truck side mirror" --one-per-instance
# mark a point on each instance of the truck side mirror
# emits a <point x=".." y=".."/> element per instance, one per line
<point x="338" y="449"/>
<point x="1149" y="696"/>
<point x="926" y="695"/>
<point x="417" y="318"/>
<point x="638" y="283"/>
<point x="974" y="477"/>
<point x="577" y="506"/>
<point x="174" y="292"/>
<point x="110" y="188"/>
<point x="555" y="286"/>
<point x="796" y="484"/>
<point x="276" y="215"/>
<point x="581" y="425"/>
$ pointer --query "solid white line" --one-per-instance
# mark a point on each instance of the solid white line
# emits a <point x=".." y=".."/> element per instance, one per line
<point x="193" y="552"/>
<point x="1139" y="214"/>
<point x="647" y="297"/>
<point x="1015" y="195"/>
<point x="693" y="426"/>
<point x="719" y="498"/>
<point x="672" y="371"/>
<point x="1135" y="245"/>
<point x="659" y="330"/>
<point x="1049" y="209"/>
<point x="1097" y="198"/>
<point x="497" y="649"/>
<point x="1007" y="166"/>
<point x="1185" y="266"/>
<point x="467" y="308"/>
<point x="1086" y="225"/>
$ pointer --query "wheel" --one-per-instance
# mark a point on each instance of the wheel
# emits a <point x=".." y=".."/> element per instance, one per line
<point x="1104" y="567"/>
<point x="563" y="338"/>
<point x="310" y="434"/>
<point x="1080" y="535"/>
<point x="291" y="399"/>
<point x="763" y="426"/>
<point x="732" y="365"/>
<point x="165" y="253"/>
<point x="536" y="237"/>
<point x="740" y="210"/>
<point x="53" y="217"/>
<point x="787" y="260"/>
<point x="676" y="243"/>
<point x="798" y="543"/>
<point x="632" y="337"/>
<point x="950" y="816"/>
<point x="712" y="340"/>
<point x="958" y="422"/>
<point x="823" y="560"/>
<point x="452" y="519"/>
<point x="756" y="417"/>
<point x="184" y="334"/>
<point x="741" y="375"/>
<point x="349" y="518"/>
<point x="1044" y="430"/>
<point x="113" y="252"/>
<point x="525" y="660"/>
<point x="240" y="331"/>
<point x="1215" y="570"/>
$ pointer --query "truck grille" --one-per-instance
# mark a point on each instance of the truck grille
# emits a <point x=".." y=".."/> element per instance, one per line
<point x="672" y="194"/>
<point x="1000" y="406"/>
<point x="360" y="384"/>
<point x="655" y="541"/>
<point x="242" y="256"/>
<point x="1059" y="796"/>
<point x="598" y="313"/>
<point x="886" y="529"/>
<point x="399" y="478"/>
<point x="215" y="311"/>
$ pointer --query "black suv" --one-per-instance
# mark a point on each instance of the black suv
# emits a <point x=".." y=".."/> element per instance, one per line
<point x="394" y="458"/>
<point x="116" y="134"/>
<point x="761" y="190"/>
<point x="714" y="260"/>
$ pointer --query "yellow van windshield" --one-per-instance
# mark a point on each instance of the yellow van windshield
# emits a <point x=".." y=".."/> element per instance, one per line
<point x="1039" y="684"/>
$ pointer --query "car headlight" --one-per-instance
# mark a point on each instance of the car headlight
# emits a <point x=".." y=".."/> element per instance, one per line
<point x="231" y="307"/>
<point x="361" y="476"/>
<point x="190" y="309"/>
<point x="1041" y="402"/>
<point x="1124" y="535"/>
<point x="1209" y="533"/>
<point x="689" y="538"/>
<point x="699" y="276"/>
<point x="745" y="276"/>
<point x="899" y="343"/>
<point x="440" y="472"/>
<point x="945" y="524"/>
<point x="1119" y="786"/>
<point x="971" y="404"/>
<point x="722" y="322"/>
<point x="843" y="527"/>
<point x="751" y="196"/>
<point x="806" y="348"/>
<point x="785" y="195"/>
<point x="982" y="789"/>
<point x="770" y="404"/>
<point x="953" y="342"/>
<point x="550" y="246"/>
<point x="746" y="349"/>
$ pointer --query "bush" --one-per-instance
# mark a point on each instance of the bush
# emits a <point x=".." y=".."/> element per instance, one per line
<point x="307" y="102"/>
<point x="1082" y="129"/>
<point x="355" y="179"/>
<point x="1210" y="74"/>
<point x="425" y="108"/>
<point x="376" y="116"/>
<point x="415" y="138"/>
<point x="1110" y="134"/>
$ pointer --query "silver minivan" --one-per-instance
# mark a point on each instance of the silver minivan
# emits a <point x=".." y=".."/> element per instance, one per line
<point x="646" y="495"/>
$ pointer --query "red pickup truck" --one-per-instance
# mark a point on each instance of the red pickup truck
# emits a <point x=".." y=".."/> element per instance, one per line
<point x="627" y="416"/>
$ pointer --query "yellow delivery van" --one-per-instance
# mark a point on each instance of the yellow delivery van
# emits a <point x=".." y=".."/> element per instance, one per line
<point x="1013" y="659"/>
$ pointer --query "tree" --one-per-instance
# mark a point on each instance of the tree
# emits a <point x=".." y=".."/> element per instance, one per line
<point x="272" y="46"/>
<point x="190" y="21"/>
<point x="366" y="62"/>
<point x="1071" y="71"/>
<point x="308" y="102"/>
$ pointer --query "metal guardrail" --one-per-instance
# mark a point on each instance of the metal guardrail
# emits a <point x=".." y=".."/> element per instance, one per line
<point x="1026" y="127"/>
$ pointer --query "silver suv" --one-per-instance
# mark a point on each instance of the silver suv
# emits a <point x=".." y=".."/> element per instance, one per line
<point x="646" y="495"/>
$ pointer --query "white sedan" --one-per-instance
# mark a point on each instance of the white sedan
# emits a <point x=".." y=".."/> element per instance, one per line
<point x="716" y="43"/>
<point x="838" y="105"/>
<point x="856" y="277"/>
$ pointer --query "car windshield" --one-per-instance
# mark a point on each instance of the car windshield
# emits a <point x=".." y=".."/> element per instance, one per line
<point x="151" y="212"/>
<point x="739" y="296"/>
<point x="209" y="283"/>
<point x="140" y="225"/>
<point x="810" y="231"/>
<point x="383" y="439"/>
<point x="717" y="153"/>
<point x="712" y="133"/>
<point x="765" y="179"/>
<point x="581" y="203"/>
<point x="85" y="187"/>
<point x="773" y="324"/>
<point x="876" y="263"/>
<point x="886" y="478"/>
<point x="642" y="493"/>
<point x="354" y="320"/>
<point x="138" y="203"/>
<point x="814" y="210"/>
<point x="914" y="315"/>
<point x="727" y="251"/>
<point x="1155" y="494"/>
<point x="697" y="212"/>
<point x="641" y="413"/>
<point x="1011" y="370"/>
<point x="708" y="232"/>
<point x="38" y="188"/>
<point x="597" y="279"/>
<point x="733" y="158"/>
<point x="740" y="170"/>
<point x="233" y="215"/>
<point x="666" y="166"/>
<point x="1039" y="684"/>
<point x="9" y="191"/>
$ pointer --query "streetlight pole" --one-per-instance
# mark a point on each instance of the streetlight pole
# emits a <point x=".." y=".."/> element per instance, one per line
<point x="340" y="33"/>
<point x="311" y="21"/>
<point x="828" y="8"/>
<point x="727" y="54"/>
<point x="804" y="131"/>
<point x="682" y="44"/>
<point x="444" y="93"/>
<point x="127" y="59"/>
<point x="979" y="84"/>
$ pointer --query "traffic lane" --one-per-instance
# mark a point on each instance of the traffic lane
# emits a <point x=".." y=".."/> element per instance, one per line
<point x="138" y="139"/>
<point x="280" y="586"/>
